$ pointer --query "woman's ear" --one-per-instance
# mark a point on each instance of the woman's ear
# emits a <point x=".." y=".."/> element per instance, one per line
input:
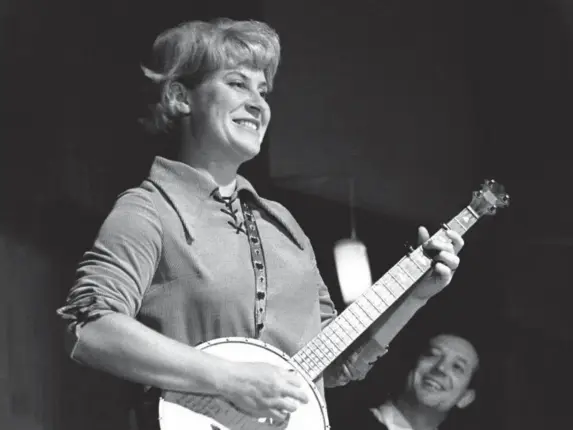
<point x="177" y="97"/>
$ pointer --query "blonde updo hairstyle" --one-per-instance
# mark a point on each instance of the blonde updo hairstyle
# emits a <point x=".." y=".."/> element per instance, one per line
<point x="191" y="51"/>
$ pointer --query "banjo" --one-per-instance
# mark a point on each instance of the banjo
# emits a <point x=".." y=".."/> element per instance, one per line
<point x="186" y="411"/>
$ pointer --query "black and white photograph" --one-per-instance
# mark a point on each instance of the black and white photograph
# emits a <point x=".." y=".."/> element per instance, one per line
<point x="286" y="215"/>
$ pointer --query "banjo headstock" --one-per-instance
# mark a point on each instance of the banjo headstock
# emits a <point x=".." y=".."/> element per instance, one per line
<point x="491" y="197"/>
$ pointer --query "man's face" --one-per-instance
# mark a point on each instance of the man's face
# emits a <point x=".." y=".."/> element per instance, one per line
<point x="442" y="374"/>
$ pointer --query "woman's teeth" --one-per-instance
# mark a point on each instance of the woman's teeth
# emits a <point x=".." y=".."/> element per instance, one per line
<point x="247" y="124"/>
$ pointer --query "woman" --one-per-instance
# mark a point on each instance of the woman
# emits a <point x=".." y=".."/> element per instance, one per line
<point x="172" y="266"/>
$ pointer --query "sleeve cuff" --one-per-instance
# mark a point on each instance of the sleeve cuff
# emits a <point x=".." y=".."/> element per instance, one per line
<point x="357" y="366"/>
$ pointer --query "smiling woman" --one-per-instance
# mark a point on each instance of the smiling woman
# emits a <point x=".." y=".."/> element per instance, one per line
<point x="226" y="114"/>
<point x="193" y="51"/>
<point x="194" y="259"/>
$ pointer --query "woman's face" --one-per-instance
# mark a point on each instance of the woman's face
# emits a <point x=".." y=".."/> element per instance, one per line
<point x="229" y="113"/>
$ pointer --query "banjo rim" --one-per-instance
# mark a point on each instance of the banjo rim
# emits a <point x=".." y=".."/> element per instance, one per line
<point x="270" y="348"/>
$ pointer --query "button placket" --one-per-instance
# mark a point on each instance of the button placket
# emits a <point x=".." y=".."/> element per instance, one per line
<point x="259" y="268"/>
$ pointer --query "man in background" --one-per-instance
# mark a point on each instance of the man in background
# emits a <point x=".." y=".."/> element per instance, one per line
<point x="441" y="380"/>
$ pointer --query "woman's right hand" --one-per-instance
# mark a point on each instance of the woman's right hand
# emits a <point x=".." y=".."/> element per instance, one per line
<point x="262" y="390"/>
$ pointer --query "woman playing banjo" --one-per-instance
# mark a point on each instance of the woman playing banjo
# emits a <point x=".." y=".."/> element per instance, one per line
<point x="194" y="254"/>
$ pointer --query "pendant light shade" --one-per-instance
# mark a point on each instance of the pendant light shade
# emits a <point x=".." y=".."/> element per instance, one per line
<point x="352" y="268"/>
<point x="351" y="260"/>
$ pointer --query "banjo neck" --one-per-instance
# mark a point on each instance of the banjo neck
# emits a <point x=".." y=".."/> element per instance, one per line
<point x="358" y="317"/>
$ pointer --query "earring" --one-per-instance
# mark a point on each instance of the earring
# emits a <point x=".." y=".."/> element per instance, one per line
<point x="183" y="108"/>
<point x="177" y="107"/>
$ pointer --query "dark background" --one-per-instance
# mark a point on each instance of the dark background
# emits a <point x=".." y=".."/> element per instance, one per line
<point x="425" y="98"/>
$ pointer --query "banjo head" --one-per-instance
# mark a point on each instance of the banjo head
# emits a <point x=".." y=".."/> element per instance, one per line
<point x="183" y="411"/>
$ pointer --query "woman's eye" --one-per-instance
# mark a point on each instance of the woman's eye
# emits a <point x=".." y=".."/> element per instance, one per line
<point x="243" y="86"/>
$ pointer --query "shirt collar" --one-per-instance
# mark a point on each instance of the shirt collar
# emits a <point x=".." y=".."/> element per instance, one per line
<point x="187" y="189"/>
<point x="391" y="416"/>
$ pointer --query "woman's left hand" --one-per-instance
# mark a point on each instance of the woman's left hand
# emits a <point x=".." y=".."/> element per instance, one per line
<point x="446" y="261"/>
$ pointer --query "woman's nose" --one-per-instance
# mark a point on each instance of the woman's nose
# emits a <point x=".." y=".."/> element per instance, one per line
<point x="254" y="108"/>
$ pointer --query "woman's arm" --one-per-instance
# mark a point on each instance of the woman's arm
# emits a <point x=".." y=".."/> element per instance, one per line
<point x="111" y="280"/>
<point x="103" y="333"/>
<point x="120" y="345"/>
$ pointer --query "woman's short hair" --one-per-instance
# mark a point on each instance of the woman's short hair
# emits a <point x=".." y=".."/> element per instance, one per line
<point x="193" y="50"/>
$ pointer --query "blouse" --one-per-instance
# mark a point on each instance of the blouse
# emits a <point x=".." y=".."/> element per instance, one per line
<point x="174" y="255"/>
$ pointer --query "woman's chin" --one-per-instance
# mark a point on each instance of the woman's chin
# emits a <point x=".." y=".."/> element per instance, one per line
<point x="248" y="150"/>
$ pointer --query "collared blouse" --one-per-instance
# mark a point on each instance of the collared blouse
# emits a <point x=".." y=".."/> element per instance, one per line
<point x="174" y="255"/>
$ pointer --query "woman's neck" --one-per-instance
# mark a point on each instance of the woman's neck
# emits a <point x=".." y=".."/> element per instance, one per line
<point x="225" y="179"/>
<point x="221" y="170"/>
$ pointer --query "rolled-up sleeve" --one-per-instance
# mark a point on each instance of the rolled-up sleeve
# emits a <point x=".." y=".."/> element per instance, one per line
<point x="114" y="274"/>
